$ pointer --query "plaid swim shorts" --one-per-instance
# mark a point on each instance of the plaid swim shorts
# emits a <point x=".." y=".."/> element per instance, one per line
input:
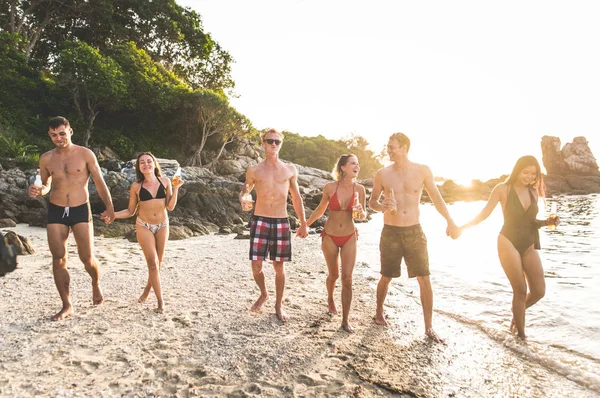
<point x="272" y="236"/>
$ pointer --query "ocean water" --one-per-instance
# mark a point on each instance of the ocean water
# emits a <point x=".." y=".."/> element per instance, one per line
<point x="470" y="286"/>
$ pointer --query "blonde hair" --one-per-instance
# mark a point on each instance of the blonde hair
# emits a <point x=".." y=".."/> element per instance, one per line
<point x="268" y="131"/>
<point x="401" y="139"/>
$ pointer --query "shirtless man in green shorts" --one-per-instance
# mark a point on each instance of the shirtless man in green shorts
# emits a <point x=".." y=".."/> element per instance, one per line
<point x="402" y="236"/>
<point x="65" y="171"/>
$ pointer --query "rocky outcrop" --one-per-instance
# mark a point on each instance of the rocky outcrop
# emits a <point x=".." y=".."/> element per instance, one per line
<point x="572" y="169"/>
<point x="207" y="202"/>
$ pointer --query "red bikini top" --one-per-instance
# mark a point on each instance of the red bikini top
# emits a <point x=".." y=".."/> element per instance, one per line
<point x="334" y="203"/>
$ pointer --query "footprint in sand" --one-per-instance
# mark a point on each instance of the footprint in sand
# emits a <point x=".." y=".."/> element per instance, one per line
<point x="307" y="380"/>
<point x="254" y="389"/>
<point x="183" y="321"/>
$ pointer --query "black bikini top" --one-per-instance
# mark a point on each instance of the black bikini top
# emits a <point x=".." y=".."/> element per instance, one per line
<point x="145" y="195"/>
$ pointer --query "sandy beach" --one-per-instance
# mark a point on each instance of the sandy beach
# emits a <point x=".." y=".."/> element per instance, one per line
<point x="207" y="343"/>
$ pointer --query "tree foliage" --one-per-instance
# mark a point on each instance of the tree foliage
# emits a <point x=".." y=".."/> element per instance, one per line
<point x="134" y="75"/>
<point x="323" y="153"/>
<point x="95" y="82"/>
<point x="171" y="34"/>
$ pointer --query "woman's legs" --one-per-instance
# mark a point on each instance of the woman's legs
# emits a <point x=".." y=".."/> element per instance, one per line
<point x="161" y="243"/>
<point x="511" y="262"/>
<point x="147" y="241"/>
<point x="331" y="252"/>
<point x="348" y="257"/>
<point x="534" y="272"/>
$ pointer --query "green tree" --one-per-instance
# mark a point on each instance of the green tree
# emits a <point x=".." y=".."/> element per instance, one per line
<point x="24" y="92"/>
<point x="236" y="127"/>
<point x="369" y="161"/>
<point x="171" y="34"/>
<point x="94" y="82"/>
<point x="208" y="114"/>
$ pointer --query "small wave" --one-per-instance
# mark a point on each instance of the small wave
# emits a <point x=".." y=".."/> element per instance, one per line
<point x="578" y="367"/>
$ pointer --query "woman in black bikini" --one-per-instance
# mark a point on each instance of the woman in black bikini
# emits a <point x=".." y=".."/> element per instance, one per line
<point x="519" y="237"/>
<point x="339" y="235"/>
<point x="151" y="196"/>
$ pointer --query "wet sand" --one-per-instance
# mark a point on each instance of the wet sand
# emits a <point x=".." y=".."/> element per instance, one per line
<point x="208" y="343"/>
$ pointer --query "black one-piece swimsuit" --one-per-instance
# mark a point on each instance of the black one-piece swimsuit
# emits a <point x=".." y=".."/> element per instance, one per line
<point x="520" y="226"/>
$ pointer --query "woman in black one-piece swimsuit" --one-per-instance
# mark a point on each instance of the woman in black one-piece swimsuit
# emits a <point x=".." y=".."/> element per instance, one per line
<point x="519" y="237"/>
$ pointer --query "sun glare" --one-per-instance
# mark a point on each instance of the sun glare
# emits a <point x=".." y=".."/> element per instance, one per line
<point x="464" y="182"/>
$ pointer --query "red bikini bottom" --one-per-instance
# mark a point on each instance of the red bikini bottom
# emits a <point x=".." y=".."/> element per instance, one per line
<point x="340" y="240"/>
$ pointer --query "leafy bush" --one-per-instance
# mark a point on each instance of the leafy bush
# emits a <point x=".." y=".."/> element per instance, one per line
<point x="16" y="148"/>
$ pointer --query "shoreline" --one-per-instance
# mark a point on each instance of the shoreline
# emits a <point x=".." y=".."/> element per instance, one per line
<point x="207" y="343"/>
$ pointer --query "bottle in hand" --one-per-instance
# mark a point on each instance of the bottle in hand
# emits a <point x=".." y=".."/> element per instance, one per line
<point x="393" y="210"/>
<point x="552" y="217"/>
<point x="247" y="202"/>
<point x="355" y="203"/>
<point x="38" y="179"/>
<point x="177" y="177"/>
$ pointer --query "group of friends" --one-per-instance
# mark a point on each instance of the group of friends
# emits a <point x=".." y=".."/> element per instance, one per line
<point x="397" y="190"/>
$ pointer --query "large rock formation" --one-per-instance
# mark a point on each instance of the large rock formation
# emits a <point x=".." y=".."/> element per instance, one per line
<point x="207" y="202"/>
<point x="572" y="169"/>
<point x="574" y="158"/>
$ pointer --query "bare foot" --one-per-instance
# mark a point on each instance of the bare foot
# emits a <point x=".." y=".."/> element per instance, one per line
<point x="429" y="332"/>
<point x="144" y="296"/>
<point x="331" y="310"/>
<point x="281" y="315"/>
<point x="380" y="319"/>
<point x="513" y="326"/>
<point x="257" y="306"/>
<point x="160" y="309"/>
<point x="65" y="313"/>
<point x="97" y="295"/>
<point x="347" y="327"/>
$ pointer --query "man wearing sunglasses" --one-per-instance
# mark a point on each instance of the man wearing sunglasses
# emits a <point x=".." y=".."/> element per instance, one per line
<point x="270" y="236"/>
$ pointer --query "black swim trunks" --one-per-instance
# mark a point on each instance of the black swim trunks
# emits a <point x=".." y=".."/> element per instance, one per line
<point x="272" y="237"/>
<point x="409" y="243"/>
<point x="69" y="216"/>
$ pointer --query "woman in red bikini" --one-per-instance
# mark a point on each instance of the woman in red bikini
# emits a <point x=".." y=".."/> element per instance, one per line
<point x="340" y="235"/>
<point x="150" y="197"/>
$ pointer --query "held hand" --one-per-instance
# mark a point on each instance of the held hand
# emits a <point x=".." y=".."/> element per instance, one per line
<point x="359" y="209"/>
<point x="388" y="203"/>
<point x="453" y="231"/>
<point x="177" y="182"/>
<point x="553" y="220"/>
<point x="35" y="191"/>
<point x="108" y="216"/>
<point x="302" y="232"/>
<point x="362" y="214"/>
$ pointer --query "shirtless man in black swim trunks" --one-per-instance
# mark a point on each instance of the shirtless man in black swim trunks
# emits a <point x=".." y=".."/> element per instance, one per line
<point x="270" y="236"/>
<point x="65" y="171"/>
<point x="402" y="236"/>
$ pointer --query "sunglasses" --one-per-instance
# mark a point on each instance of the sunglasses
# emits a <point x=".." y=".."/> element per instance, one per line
<point x="271" y="141"/>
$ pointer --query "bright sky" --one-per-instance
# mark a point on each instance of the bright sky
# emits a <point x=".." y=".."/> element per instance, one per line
<point x="474" y="84"/>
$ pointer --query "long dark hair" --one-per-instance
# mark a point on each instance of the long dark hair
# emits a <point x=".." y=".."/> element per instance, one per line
<point x="527" y="161"/>
<point x="337" y="172"/>
<point x="138" y="173"/>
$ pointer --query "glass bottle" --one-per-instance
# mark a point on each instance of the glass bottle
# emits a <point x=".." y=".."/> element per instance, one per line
<point x="247" y="201"/>
<point x="38" y="179"/>
<point x="393" y="210"/>
<point x="552" y="217"/>
<point x="355" y="205"/>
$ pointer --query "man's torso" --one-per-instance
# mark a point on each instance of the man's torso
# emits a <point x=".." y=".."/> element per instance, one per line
<point x="70" y="177"/>
<point x="408" y="188"/>
<point x="272" y="183"/>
